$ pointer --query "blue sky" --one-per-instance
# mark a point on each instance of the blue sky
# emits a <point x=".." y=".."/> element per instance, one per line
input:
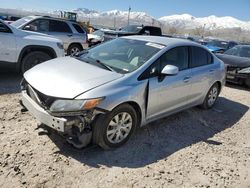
<point x="199" y="8"/>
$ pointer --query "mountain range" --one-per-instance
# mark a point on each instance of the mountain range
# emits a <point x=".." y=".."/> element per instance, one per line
<point x="117" y="18"/>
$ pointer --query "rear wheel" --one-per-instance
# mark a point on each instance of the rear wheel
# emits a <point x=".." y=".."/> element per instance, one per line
<point x="32" y="59"/>
<point x="73" y="49"/>
<point x="115" y="128"/>
<point x="211" y="97"/>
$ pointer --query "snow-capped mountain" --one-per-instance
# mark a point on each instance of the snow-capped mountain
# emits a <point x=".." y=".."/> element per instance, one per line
<point x="117" y="18"/>
<point x="186" y="21"/>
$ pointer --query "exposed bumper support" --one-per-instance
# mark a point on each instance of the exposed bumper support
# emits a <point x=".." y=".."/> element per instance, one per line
<point x="41" y="115"/>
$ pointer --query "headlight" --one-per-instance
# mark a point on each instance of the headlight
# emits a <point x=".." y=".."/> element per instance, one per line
<point x="60" y="45"/>
<point x="74" y="105"/>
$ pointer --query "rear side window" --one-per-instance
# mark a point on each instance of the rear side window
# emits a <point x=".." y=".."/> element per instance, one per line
<point x="59" y="26"/>
<point x="78" y="28"/>
<point x="200" y="57"/>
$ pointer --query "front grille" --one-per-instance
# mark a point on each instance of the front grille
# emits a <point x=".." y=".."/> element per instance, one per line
<point x="40" y="98"/>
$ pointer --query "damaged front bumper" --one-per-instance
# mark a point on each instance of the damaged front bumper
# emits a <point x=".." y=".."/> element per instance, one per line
<point x="76" y="129"/>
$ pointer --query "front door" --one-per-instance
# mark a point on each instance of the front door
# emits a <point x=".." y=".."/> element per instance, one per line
<point x="7" y="44"/>
<point x="169" y="93"/>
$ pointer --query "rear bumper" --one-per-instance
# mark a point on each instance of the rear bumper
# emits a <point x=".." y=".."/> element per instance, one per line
<point x="41" y="115"/>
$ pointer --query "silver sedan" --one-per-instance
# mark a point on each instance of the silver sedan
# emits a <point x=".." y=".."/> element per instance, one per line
<point x="103" y="94"/>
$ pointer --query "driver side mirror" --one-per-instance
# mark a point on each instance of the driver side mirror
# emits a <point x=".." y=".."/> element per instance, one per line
<point x="170" y="70"/>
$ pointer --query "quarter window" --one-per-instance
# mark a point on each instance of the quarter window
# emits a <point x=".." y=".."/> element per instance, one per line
<point x="59" y="26"/>
<point x="200" y="57"/>
<point x="78" y="28"/>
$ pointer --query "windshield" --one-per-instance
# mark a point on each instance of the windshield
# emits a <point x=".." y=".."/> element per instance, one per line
<point x="21" y="21"/>
<point x="221" y="44"/>
<point x="98" y="33"/>
<point x="122" y="55"/>
<point x="241" y="51"/>
<point x="132" y="28"/>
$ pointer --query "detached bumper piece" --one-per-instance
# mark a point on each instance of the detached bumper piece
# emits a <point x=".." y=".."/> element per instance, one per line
<point x="75" y="128"/>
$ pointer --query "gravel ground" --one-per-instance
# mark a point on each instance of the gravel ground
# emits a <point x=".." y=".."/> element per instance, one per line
<point x="194" y="148"/>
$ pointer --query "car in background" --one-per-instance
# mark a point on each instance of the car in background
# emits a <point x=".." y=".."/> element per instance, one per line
<point x="132" y="30"/>
<point x="220" y="46"/>
<point x="74" y="37"/>
<point x="237" y="60"/>
<point x="95" y="38"/>
<point x="20" y="50"/>
<point x="119" y="85"/>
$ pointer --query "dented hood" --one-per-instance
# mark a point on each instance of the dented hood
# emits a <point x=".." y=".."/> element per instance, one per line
<point x="67" y="77"/>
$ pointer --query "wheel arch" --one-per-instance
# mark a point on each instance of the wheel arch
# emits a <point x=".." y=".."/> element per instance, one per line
<point x="33" y="48"/>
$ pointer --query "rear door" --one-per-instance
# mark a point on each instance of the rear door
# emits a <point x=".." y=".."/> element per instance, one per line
<point x="7" y="44"/>
<point x="169" y="93"/>
<point x="61" y="30"/>
<point x="203" y="71"/>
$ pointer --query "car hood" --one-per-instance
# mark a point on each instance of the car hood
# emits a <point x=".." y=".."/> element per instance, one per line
<point x="234" y="61"/>
<point x="67" y="77"/>
<point x="214" y="48"/>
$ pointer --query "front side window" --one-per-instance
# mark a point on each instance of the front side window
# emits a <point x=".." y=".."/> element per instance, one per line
<point x="200" y="57"/>
<point x="122" y="55"/>
<point x="59" y="26"/>
<point x="39" y="25"/>
<point x="177" y="56"/>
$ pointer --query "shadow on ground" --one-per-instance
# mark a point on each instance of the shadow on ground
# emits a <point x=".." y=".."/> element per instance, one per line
<point x="237" y="86"/>
<point x="9" y="82"/>
<point x="161" y="138"/>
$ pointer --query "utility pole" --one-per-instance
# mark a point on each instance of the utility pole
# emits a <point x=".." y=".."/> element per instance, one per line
<point x="129" y="9"/>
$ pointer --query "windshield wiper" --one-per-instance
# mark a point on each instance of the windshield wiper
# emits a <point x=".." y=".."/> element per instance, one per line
<point x="104" y="65"/>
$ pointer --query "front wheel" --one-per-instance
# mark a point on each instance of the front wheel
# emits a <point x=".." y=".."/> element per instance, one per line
<point x="211" y="97"/>
<point x="115" y="128"/>
<point x="32" y="59"/>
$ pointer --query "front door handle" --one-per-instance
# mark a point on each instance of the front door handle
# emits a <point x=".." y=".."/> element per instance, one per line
<point x="186" y="79"/>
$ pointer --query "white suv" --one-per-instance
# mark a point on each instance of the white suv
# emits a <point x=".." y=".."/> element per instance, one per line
<point x="22" y="50"/>
<point x="74" y="37"/>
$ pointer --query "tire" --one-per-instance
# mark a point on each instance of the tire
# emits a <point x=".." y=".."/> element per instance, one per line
<point x="105" y="127"/>
<point x="211" y="97"/>
<point x="247" y="81"/>
<point x="32" y="59"/>
<point x="74" y="48"/>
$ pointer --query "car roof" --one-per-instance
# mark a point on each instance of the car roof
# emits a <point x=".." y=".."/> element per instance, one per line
<point x="162" y="40"/>
<point x="52" y="18"/>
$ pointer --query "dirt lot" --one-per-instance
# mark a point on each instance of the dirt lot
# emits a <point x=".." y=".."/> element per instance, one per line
<point x="194" y="148"/>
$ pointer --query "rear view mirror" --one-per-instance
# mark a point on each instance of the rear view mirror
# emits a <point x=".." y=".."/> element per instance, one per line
<point x="170" y="70"/>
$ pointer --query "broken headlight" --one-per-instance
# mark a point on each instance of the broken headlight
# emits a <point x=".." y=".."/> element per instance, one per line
<point x="74" y="105"/>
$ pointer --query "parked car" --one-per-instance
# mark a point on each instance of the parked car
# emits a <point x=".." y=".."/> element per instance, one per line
<point x="132" y="30"/>
<point x="237" y="60"/>
<point x="74" y="37"/>
<point x="136" y="80"/>
<point x="21" y="50"/>
<point x="96" y="37"/>
<point x="220" y="46"/>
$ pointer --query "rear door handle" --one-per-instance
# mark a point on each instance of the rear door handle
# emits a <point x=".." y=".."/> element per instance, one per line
<point x="211" y="71"/>
<point x="186" y="79"/>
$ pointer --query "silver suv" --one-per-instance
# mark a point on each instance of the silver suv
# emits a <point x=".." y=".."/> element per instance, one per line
<point x="103" y="94"/>
<point x="74" y="37"/>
